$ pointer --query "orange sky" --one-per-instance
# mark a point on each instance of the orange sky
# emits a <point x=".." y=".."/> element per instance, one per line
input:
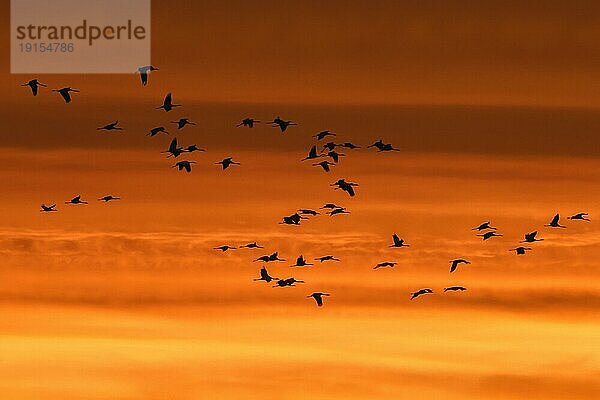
<point x="495" y="110"/>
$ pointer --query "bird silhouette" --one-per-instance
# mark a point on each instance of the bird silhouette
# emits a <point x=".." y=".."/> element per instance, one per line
<point x="327" y="258"/>
<point x="76" y="200"/>
<point x="339" y="210"/>
<point x="387" y="147"/>
<point x="330" y="206"/>
<point x="264" y="276"/>
<point x="385" y="264"/>
<point x="192" y="148"/>
<point x="335" y="156"/>
<point x="168" y="103"/>
<point x="484" y="226"/>
<point x="111" y="127"/>
<point x="398" y="242"/>
<point x="270" y="258"/>
<point x="49" y="208"/>
<point x="323" y="134"/>
<point x="305" y="211"/>
<point x="579" y="216"/>
<point x="293" y="219"/>
<point x="325" y="165"/>
<point x="456" y="262"/>
<point x="182" y="122"/>
<point x="224" y="248"/>
<point x="34" y="84"/>
<point x="252" y="245"/>
<point x="249" y="122"/>
<point x="287" y="282"/>
<point x="184" y="165"/>
<point x="489" y="235"/>
<point x="281" y="124"/>
<point x="312" y="154"/>
<point x="383" y="146"/>
<point x="108" y="198"/>
<point x="455" y="289"/>
<point x="349" y="145"/>
<point x="531" y="237"/>
<point x="318" y="296"/>
<point x="420" y="292"/>
<point x="554" y="222"/>
<point x="143" y="71"/>
<point x="520" y="250"/>
<point x="329" y="146"/>
<point x="66" y="93"/>
<point x="226" y="162"/>
<point x="347" y="187"/>
<point x="300" y="262"/>
<point x="156" y="131"/>
<point x="174" y="150"/>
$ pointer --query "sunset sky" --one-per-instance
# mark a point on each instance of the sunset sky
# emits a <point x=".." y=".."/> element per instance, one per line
<point x="495" y="108"/>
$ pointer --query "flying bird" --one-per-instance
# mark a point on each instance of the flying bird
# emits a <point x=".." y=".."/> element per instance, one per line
<point x="264" y="276"/>
<point x="383" y="146"/>
<point x="580" y="216"/>
<point x="293" y="219"/>
<point x="323" y="134"/>
<point x="349" y="145"/>
<point x="224" y="248"/>
<point x="312" y="154"/>
<point x="111" y="127"/>
<point x="418" y="293"/>
<point x="182" y="122"/>
<point x="554" y="222"/>
<point x="331" y="206"/>
<point x="49" y="208"/>
<point x="143" y="71"/>
<point x="484" y="226"/>
<point x="327" y="258"/>
<point x="325" y="165"/>
<point x="398" y="242"/>
<point x="168" y="103"/>
<point x="456" y="262"/>
<point x="184" y="165"/>
<point x="173" y="149"/>
<point x="193" y="147"/>
<point x="156" y="131"/>
<point x="252" y="245"/>
<point x="318" y="296"/>
<point x="305" y="211"/>
<point x="329" y="146"/>
<point x="335" y="156"/>
<point x="287" y="282"/>
<point x="385" y="264"/>
<point x="270" y="258"/>
<point x="455" y="289"/>
<point x="489" y="234"/>
<point x="226" y="162"/>
<point x="347" y="187"/>
<point x="76" y="200"/>
<point x="66" y="93"/>
<point x="283" y="125"/>
<point x="520" y="250"/>
<point x="34" y="84"/>
<point x="301" y="262"/>
<point x="108" y="198"/>
<point x="531" y="237"/>
<point x="339" y="210"/>
<point x="249" y="122"/>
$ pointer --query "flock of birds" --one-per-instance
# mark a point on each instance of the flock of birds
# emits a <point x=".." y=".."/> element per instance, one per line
<point x="329" y="151"/>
